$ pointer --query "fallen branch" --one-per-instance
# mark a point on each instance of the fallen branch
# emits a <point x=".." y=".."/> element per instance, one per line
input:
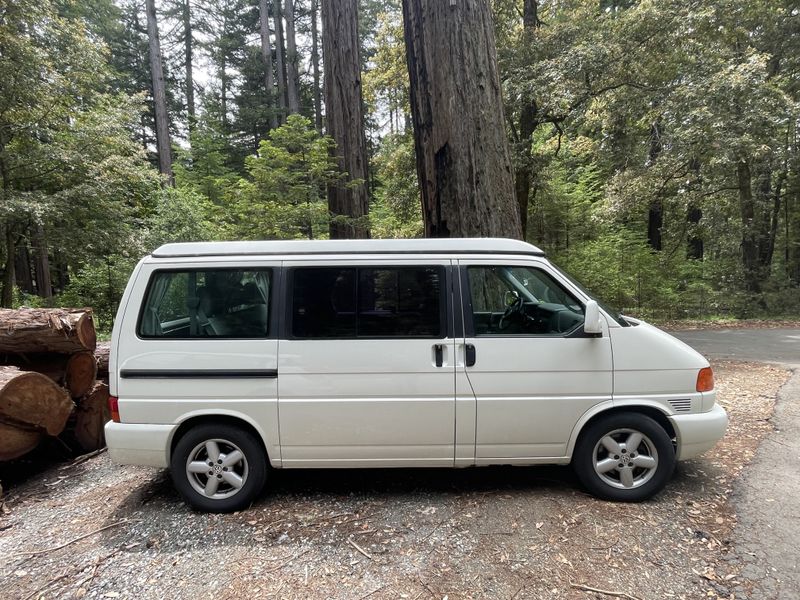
<point x="359" y="548"/>
<point x="65" y="544"/>
<point x="83" y="458"/>
<point x="586" y="588"/>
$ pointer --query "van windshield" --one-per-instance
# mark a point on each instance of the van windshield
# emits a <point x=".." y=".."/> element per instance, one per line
<point x="611" y="312"/>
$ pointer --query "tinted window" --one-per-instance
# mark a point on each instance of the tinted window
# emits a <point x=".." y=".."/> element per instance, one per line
<point x="513" y="300"/>
<point x="209" y="303"/>
<point x="367" y="302"/>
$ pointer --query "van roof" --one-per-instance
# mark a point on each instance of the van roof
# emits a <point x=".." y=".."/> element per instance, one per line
<point x="302" y="247"/>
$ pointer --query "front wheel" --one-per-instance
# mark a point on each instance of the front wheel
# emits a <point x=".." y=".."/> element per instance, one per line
<point x="626" y="457"/>
<point x="218" y="468"/>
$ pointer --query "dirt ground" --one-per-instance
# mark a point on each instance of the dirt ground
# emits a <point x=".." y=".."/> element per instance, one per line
<point x="96" y="530"/>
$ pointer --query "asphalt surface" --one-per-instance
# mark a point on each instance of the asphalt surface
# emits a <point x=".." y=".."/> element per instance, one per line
<point x="781" y="346"/>
<point x="767" y="497"/>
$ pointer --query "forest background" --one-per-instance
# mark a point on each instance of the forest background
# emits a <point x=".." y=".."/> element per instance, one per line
<point x="650" y="148"/>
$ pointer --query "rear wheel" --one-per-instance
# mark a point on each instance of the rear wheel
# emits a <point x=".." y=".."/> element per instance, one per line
<point x="625" y="456"/>
<point x="219" y="468"/>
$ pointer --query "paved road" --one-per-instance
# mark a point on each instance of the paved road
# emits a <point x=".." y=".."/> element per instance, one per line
<point x="763" y="345"/>
<point x="767" y="497"/>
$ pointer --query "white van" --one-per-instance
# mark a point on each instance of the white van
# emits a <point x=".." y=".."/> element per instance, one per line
<point x="230" y="358"/>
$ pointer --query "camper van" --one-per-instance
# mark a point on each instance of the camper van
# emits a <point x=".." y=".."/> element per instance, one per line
<point x="230" y="359"/>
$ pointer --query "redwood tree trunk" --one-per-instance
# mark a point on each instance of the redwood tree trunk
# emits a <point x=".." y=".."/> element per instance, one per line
<point x="527" y="123"/>
<point x="266" y="58"/>
<point x="188" y="48"/>
<point x="159" y="94"/>
<point x="292" y="75"/>
<point x="315" y="65"/>
<point x="280" y="54"/>
<point x="344" y="116"/>
<point x="463" y="157"/>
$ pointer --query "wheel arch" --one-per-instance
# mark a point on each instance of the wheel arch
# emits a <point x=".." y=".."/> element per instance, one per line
<point x="191" y="420"/>
<point x="655" y="411"/>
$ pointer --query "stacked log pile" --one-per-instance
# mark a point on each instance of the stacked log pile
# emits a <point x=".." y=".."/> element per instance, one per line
<point x="51" y="383"/>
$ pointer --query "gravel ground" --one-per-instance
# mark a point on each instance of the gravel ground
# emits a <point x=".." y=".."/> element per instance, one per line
<point x="475" y="533"/>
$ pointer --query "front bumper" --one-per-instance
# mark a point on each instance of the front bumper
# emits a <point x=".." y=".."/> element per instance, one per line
<point x="137" y="444"/>
<point x="699" y="432"/>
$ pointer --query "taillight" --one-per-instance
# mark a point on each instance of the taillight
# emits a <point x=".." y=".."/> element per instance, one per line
<point x="113" y="407"/>
<point x="705" y="380"/>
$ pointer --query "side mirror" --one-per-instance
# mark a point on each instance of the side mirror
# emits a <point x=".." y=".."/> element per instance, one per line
<point x="591" y="322"/>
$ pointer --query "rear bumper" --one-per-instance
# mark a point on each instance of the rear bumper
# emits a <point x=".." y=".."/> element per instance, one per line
<point x="136" y="444"/>
<point x="699" y="432"/>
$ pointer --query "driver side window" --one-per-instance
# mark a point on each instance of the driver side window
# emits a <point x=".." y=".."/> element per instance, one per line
<point x="518" y="300"/>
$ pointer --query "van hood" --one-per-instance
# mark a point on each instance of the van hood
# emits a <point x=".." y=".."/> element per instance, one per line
<point x="645" y="347"/>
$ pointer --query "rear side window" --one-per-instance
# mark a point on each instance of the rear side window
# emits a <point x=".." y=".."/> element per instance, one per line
<point x="212" y="303"/>
<point x="367" y="302"/>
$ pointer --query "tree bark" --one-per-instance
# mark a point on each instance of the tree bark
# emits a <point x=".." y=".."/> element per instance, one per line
<point x="32" y="401"/>
<point x="315" y="65"/>
<point x="188" y="46"/>
<point x="266" y="58"/>
<point x="23" y="274"/>
<point x="527" y="123"/>
<point x="280" y="54"/>
<point x="695" y="248"/>
<point x="292" y="74"/>
<point x="159" y="94"/>
<point x="90" y="418"/>
<point x="46" y="330"/>
<point x="655" y="212"/>
<point x="348" y="202"/>
<point x="44" y="285"/>
<point x="747" y="211"/>
<point x="463" y="157"/>
<point x="7" y="299"/>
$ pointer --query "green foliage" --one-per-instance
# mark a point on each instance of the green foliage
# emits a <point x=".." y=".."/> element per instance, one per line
<point x="396" y="211"/>
<point x="285" y="193"/>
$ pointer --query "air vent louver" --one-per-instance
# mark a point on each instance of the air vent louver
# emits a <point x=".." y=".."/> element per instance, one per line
<point x="682" y="405"/>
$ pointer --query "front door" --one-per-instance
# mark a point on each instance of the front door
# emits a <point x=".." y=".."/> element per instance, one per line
<point x="533" y="370"/>
<point x="367" y="364"/>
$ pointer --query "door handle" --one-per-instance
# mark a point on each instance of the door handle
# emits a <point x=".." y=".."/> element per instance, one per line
<point x="469" y="355"/>
<point x="438" y="352"/>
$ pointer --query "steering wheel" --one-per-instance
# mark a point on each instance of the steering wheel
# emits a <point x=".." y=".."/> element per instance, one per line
<point x="515" y="308"/>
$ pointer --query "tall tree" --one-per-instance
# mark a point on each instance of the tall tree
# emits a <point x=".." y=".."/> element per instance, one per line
<point x="344" y="116"/>
<point x="163" y="144"/>
<point x="266" y="57"/>
<point x="527" y="120"/>
<point x="317" y="91"/>
<point x="465" y="172"/>
<point x="280" y="55"/>
<point x="188" y="60"/>
<point x="292" y="73"/>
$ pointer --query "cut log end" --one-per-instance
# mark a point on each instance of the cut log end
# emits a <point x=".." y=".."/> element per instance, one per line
<point x="91" y="417"/>
<point x="15" y="442"/>
<point x="33" y="400"/>
<point x="80" y="374"/>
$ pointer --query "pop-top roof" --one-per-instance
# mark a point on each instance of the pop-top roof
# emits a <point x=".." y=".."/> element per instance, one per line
<point x="304" y="247"/>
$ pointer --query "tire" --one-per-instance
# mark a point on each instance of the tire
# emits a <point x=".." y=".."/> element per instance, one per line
<point x="609" y="469"/>
<point x="225" y="484"/>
